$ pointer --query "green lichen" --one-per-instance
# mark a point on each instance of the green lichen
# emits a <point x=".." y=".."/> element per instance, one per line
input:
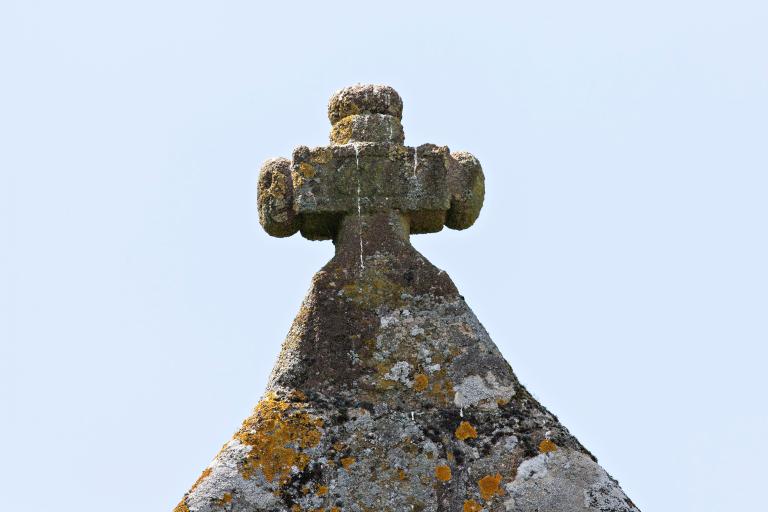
<point x="373" y="290"/>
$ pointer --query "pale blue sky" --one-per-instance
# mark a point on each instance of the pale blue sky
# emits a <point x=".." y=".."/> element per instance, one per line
<point x="619" y="261"/>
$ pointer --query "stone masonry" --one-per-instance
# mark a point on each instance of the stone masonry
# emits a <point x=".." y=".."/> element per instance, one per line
<point x="388" y="394"/>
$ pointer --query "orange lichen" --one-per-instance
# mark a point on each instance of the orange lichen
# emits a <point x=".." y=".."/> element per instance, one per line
<point x="203" y="476"/>
<point x="490" y="486"/>
<point x="441" y="388"/>
<point x="181" y="507"/>
<point x="472" y="506"/>
<point x="347" y="462"/>
<point x="420" y="382"/>
<point x="307" y="170"/>
<point x="277" y="432"/>
<point x="227" y="498"/>
<point x="465" y="430"/>
<point x="443" y="473"/>
<point x="322" y="490"/>
<point x="547" y="446"/>
<point x="298" y="395"/>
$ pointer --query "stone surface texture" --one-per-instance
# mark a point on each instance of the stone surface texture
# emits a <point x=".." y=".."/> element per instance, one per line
<point x="388" y="394"/>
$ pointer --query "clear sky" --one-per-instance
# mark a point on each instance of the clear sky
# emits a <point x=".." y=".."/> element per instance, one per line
<point x="619" y="262"/>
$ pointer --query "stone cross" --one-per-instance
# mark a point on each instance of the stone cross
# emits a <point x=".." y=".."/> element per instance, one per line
<point x="388" y="393"/>
<point x="367" y="170"/>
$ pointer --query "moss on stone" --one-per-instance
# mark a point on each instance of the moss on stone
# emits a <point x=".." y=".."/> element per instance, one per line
<point x="373" y="290"/>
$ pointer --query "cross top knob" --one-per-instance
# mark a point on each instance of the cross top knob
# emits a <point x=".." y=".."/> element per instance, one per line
<point x="367" y="171"/>
<point x="366" y="113"/>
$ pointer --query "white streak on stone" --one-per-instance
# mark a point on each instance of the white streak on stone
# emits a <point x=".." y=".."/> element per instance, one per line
<point x="359" y="207"/>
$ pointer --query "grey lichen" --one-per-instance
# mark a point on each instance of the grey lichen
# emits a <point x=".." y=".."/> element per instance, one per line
<point x="565" y="481"/>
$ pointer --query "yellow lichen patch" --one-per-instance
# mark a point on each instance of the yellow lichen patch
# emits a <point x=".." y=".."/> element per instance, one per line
<point x="341" y="131"/>
<point x="373" y="291"/>
<point x="386" y="384"/>
<point x="298" y="395"/>
<point x="306" y="170"/>
<point x="420" y="382"/>
<point x="443" y="473"/>
<point x="490" y="486"/>
<point x="322" y="490"/>
<point x="441" y="388"/>
<point x="472" y="506"/>
<point x="297" y="180"/>
<point x="465" y="430"/>
<point x="224" y="500"/>
<point x="203" y="476"/>
<point x="383" y="383"/>
<point x="547" y="446"/>
<point x="346" y="462"/>
<point x="277" y="432"/>
<point x="322" y="155"/>
<point x="181" y="507"/>
<point x="442" y="391"/>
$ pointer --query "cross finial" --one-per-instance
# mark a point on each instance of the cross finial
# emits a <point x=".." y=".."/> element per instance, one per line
<point x="366" y="113"/>
<point x="368" y="170"/>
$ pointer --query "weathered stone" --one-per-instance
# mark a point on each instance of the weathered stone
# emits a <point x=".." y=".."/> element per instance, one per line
<point x="364" y="99"/>
<point x="276" y="212"/>
<point x="388" y="394"/>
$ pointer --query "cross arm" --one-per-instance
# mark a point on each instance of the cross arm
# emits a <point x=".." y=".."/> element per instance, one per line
<point x="320" y="185"/>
